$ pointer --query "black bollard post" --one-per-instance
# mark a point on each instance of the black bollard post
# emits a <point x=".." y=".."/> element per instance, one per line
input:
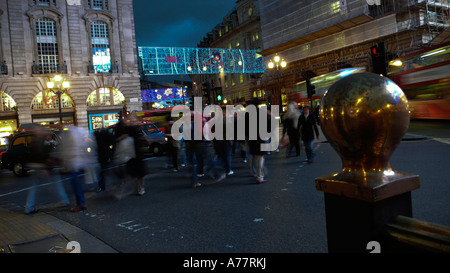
<point x="364" y="116"/>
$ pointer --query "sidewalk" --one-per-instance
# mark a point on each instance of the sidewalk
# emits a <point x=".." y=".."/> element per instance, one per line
<point x="43" y="233"/>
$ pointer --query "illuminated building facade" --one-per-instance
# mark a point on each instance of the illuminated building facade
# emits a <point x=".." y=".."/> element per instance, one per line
<point x="320" y="37"/>
<point x="91" y="44"/>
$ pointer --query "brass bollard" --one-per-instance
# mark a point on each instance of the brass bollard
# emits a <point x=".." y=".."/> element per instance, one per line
<point x="364" y="117"/>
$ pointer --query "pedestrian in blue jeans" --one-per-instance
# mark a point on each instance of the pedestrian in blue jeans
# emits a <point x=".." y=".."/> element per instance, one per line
<point x="307" y="126"/>
<point x="77" y="188"/>
<point x="42" y="145"/>
<point x="74" y="155"/>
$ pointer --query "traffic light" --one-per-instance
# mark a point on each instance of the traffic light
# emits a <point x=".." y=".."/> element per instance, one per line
<point x="269" y="100"/>
<point x="378" y="58"/>
<point x="311" y="89"/>
<point x="207" y="92"/>
<point x="218" y="93"/>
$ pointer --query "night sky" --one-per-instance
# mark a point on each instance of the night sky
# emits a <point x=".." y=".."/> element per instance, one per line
<point x="177" y="23"/>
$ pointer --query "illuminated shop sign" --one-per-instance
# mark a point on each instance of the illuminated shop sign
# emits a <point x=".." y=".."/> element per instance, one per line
<point x="97" y="121"/>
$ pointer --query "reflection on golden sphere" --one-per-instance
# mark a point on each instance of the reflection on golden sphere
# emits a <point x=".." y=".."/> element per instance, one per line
<point x="364" y="116"/>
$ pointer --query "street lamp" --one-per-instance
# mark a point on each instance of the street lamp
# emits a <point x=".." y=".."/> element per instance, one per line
<point x="58" y="85"/>
<point x="278" y="64"/>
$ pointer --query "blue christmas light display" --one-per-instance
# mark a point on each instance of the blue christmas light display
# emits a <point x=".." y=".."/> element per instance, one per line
<point x="179" y="61"/>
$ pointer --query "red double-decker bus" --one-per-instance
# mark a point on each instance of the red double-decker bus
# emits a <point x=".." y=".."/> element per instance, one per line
<point x="158" y="117"/>
<point x="424" y="77"/>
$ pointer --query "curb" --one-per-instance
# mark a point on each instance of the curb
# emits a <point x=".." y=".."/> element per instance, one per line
<point x="43" y="233"/>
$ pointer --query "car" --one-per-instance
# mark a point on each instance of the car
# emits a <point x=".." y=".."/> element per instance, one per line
<point x="156" y="139"/>
<point x="153" y="140"/>
<point x="18" y="154"/>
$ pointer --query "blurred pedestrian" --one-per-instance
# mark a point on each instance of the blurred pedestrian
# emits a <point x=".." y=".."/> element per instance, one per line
<point x="105" y="141"/>
<point x="316" y="113"/>
<point x="182" y="152"/>
<point x="194" y="152"/>
<point x="256" y="154"/>
<point x="290" y="123"/>
<point x="123" y="153"/>
<point x="201" y="151"/>
<point x="308" y="127"/>
<point x="91" y="166"/>
<point x="173" y="147"/>
<point x="74" y="153"/>
<point x="43" y="161"/>
<point x="136" y="166"/>
<point x="223" y="147"/>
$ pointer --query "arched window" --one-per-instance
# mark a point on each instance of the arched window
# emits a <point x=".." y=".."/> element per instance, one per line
<point x="105" y="96"/>
<point x="101" y="54"/>
<point x="6" y="103"/>
<point x="47" y="45"/>
<point x="49" y="100"/>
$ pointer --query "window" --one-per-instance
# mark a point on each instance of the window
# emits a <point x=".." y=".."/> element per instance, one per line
<point x="98" y="4"/>
<point x="6" y="102"/>
<point x="255" y="36"/>
<point x="335" y="7"/>
<point x="49" y="100"/>
<point x="7" y="127"/>
<point x="241" y="78"/>
<point x="101" y="55"/>
<point x="19" y="142"/>
<point x="105" y="96"/>
<point x="47" y="45"/>
<point x="44" y="2"/>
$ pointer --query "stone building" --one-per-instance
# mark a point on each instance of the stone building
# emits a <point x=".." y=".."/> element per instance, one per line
<point x="89" y="43"/>
<point x="239" y="29"/>
<point x="318" y="37"/>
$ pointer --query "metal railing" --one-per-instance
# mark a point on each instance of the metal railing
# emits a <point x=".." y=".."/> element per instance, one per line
<point x="412" y="235"/>
<point x="3" y="68"/>
<point x="48" y="68"/>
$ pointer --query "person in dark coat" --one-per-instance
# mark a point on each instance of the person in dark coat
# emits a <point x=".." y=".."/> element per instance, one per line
<point x="308" y="126"/>
<point x="290" y="123"/>
<point x="223" y="148"/>
<point x="172" y="146"/>
<point x="256" y="155"/>
<point x="136" y="167"/>
<point x="105" y="142"/>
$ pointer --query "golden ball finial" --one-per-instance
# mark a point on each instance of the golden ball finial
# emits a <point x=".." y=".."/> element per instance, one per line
<point x="364" y="117"/>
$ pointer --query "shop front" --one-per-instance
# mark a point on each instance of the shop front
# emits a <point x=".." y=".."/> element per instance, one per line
<point x="52" y="119"/>
<point x="105" y="105"/>
<point x="8" y="118"/>
<point x="45" y="110"/>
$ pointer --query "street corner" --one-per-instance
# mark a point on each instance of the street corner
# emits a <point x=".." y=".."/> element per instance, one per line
<point x="22" y="233"/>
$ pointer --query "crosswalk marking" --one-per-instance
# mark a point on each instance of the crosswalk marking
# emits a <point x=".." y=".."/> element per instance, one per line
<point x="443" y="140"/>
